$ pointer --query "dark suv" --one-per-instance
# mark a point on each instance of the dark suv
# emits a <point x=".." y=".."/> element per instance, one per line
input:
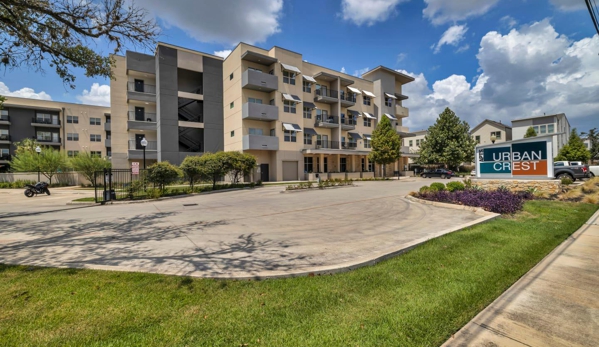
<point x="438" y="173"/>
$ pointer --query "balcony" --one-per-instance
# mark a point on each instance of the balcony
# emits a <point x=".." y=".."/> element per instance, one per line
<point x="401" y="112"/>
<point x="107" y="143"/>
<point x="5" y="159"/>
<point x="4" y="139"/>
<point x="141" y="92"/>
<point x="55" y="141"/>
<point x="348" y="123"/>
<point x="263" y="112"/>
<point x="260" y="81"/>
<point x="348" y="99"/>
<point x="326" y="96"/>
<point x="405" y="149"/>
<point x="320" y="144"/>
<point x="4" y="120"/>
<point x="136" y="150"/>
<point x="107" y="126"/>
<point x="145" y="121"/>
<point x="349" y="145"/>
<point x="327" y="122"/>
<point x="46" y="123"/>
<point x="260" y="142"/>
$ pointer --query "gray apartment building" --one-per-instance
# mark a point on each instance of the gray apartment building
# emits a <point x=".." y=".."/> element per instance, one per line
<point x="173" y="99"/>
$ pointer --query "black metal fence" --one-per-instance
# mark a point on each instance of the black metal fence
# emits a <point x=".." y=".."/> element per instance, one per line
<point x="120" y="184"/>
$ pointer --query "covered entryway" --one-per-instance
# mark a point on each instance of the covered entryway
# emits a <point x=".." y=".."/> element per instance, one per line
<point x="290" y="171"/>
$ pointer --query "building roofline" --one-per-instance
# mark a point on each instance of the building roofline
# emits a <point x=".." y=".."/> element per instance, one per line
<point x="160" y="43"/>
<point x="8" y="104"/>
<point x="543" y="116"/>
<point x="396" y="73"/>
<point x="518" y="140"/>
<point x="489" y="121"/>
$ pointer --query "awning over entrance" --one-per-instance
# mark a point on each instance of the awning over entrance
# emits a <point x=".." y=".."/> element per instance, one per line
<point x="293" y="98"/>
<point x="310" y="131"/>
<point x="390" y="116"/>
<point x="291" y="127"/>
<point x="291" y="68"/>
<point x="368" y="115"/>
<point x="355" y="136"/>
<point x="309" y="105"/>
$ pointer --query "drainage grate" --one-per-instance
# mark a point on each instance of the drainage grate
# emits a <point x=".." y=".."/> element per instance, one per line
<point x="190" y="204"/>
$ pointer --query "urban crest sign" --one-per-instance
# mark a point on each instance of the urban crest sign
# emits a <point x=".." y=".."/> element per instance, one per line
<point x="528" y="158"/>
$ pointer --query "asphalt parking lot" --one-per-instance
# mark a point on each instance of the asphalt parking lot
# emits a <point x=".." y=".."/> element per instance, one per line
<point x="249" y="233"/>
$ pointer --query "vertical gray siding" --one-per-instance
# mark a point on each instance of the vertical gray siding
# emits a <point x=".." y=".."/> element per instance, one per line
<point x="213" y="105"/>
<point x="166" y="104"/>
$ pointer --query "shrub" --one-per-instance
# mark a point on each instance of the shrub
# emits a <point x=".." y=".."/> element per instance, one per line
<point x="424" y="189"/>
<point x="163" y="173"/>
<point x="567" y="181"/>
<point x="153" y="193"/>
<point x="467" y="183"/>
<point x="437" y="186"/>
<point x="497" y="201"/>
<point x="454" y="186"/>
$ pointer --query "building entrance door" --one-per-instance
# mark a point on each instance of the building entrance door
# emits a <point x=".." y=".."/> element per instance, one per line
<point x="264" y="176"/>
<point x="138" y="138"/>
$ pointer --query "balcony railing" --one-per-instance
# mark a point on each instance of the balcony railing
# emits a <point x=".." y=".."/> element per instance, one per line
<point x="141" y="88"/>
<point x="134" y="145"/>
<point x="45" y="121"/>
<point x="349" y="121"/>
<point x="327" y="119"/>
<point x="4" y="118"/>
<point x="349" y="145"/>
<point x="4" y="137"/>
<point x="48" y="140"/>
<point x="5" y="157"/>
<point x="327" y="92"/>
<point x="351" y="97"/>
<point x="145" y="117"/>
<point x="321" y="144"/>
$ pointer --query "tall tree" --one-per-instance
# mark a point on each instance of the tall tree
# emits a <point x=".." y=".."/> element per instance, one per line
<point x="593" y="137"/>
<point x="48" y="162"/>
<point x="386" y="144"/>
<point x="162" y="174"/>
<point x="242" y="164"/>
<point x="60" y="33"/>
<point x="215" y="166"/>
<point x="530" y="132"/>
<point x="575" y="150"/>
<point x="87" y="165"/>
<point x="448" y="142"/>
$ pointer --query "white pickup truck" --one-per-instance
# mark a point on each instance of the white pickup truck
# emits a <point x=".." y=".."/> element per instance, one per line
<point x="594" y="169"/>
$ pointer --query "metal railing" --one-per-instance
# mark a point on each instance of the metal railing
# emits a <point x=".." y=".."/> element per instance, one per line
<point x="347" y="96"/>
<point x="4" y="118"/>
<point x="327" y="92"/>
<point x="4" y="137"/>
<point x="134" y="145"/>
<point x="321" y="144"/>
<point x="327" y="119"/>
<point x="141" y="88"/>
<point x="41" y="139"/>
<point x="120" y="184"/>
<point x="45" y="121"/>
<point x="147" y="117"/>
<point x="349" y="121"/>
<point x="6" y="157"/>
<point x="349" y="145"/>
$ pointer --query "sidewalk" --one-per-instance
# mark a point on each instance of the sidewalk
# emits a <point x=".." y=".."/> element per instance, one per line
<point x="555" y="304"/>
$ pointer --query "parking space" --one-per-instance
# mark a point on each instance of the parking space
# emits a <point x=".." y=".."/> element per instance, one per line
<point x="14" y="202"/>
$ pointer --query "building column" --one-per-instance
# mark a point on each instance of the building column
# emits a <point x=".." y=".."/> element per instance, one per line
<point x="353" y="163"/>
<point x="321" y="162"/>
<point x="338" y="162"/>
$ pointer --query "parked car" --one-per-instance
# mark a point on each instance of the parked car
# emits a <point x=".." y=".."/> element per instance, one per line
<point x="438" y="173"/>
<point x="565" y="169"/>
<point x="594" y="170"/>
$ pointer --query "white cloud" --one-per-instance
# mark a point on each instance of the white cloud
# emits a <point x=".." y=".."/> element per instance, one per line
<point x="444" y="11"/>
<point x="97" y="95"/>
<point x="343" y="69"/>
<point x="401" y="57"/>
<point x="452" y="36"/>
<point x="358" y="73"/>
<point x="527" y="72"/>
<point x="508" y="21"/>
<point x="223" y="54"/>
<point x="369" y="12"/>
<point x="568" y="5"/>
<point x="23" y="93"/>
<point x="463" y="48"/>
<point x="226" y="22"/>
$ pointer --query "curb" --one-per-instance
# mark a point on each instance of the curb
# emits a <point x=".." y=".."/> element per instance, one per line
<point x="476" y="210"/>
<point x="314" y="189"/>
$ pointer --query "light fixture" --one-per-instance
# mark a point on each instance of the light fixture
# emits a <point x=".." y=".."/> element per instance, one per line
<point x="38" y="149"/>
<point x="493" y="138"/>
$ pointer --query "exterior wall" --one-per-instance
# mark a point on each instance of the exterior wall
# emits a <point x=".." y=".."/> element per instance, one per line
<point x="485" y="133"/>
<point x="119" y="114"/>
<point x="414" y="148"/>
<point x="166" y="103"/>
<point x="546" y="186"/>
<point x="561" y="126"/>
<point x="213" y="104"/>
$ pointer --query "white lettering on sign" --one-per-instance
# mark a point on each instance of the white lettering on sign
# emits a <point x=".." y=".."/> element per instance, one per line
<point x="525" y="165"/>
<point x="517" y="156"/>
<point x="501" y="166"/>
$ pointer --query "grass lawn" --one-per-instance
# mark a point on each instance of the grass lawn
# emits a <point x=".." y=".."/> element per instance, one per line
<point x="88" y="199"/>
<point x="416" y="299"/>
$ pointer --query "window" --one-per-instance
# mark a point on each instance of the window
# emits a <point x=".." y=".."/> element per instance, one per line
<point x="273" y="132"/>
<point x="343" y="165"/>
<point x="254" y="131"/>
<point x="307" y="113"/>
<point x="72" y="154"/>
<point x="254" y="69"/>
<point x="477" y="139"/>
<point x="95" y="138"/>
<point x="232" y="104"/>
<point x="307" y="139"/>
<point x="3" y="112"/>
<point x="326" y="164"/>
<point x="417" y="142"/>
<point x="497" y="134"/>
<point x="289" y="106"/>
<point x="342" y="141"/>
<point x="95" y="121"/>
<point x="536" y="127"/>
<point x="289" y="77"/>
<point x="370" y="166"/>
<point x="363" y="165"/>
<point x="73" y="119"/>
<point x="322" y="115"/>
<point x="232" y="133"/>
<point x="308" y="165"/>
<point x="96" y="153"/>
<point x="4" y="152"/>
<point x="46" y="118"/>
<point x="290" y="136"/>
<point x="543" y="129"/>
<point x="108" y="152"/>
<point x="255" y="101"/>
<point x="307" y="87"/>
<point x="411" y="143"/>
<point x="550" y="128"/>
<point x="388" y="102"/>
<point x="44" y="136"/>
<point x="72" y="137"/>
<point x="367" y="143"/>
<point x="231" y="76"/>
<point x="367" y="122"/>
<point x="366" y="100"/>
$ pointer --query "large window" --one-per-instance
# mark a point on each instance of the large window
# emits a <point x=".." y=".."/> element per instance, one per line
<point x="417" y="142"/>
<point x="411" y="143"/>
<point x="255" y="101"/>
<point x="72" y="154"/>
<point x="343" y="165"/>
<point x="95" y="138"/>
<point x="366" y="100"/>
<point x="367" y="122"/>
<point x="46" y="118"/>
<point x="307" y="113"/>
<point x="367" y="143"/>
<point x="289" y="106"/>
<point x="95" y="121"/>
<point x="72" y="137"/>
<point x="307" y="87"/>
<point x="289" y="77"/>
<point x="255" y="131"/>
<point x="4" y="113"/>
<point x="96" y="154"/>
<point x="308" y="164"/>
<point x="322" y="115"/>
<point x="363" y="168"/>
<point x="542" y="129"/>
<point x="307" y="139"/>
<point x="388" y="102"/>
<point x="550" y="128"/>
<point x="477" y="139"/>
<point x="73" y="119"/>
<point x="290" y="136"/>
<point x="497" y="134"/>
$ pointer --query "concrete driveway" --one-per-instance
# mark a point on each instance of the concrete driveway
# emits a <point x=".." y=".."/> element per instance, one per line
<point x="250" y="233"/>
<point x="14" y="202"/>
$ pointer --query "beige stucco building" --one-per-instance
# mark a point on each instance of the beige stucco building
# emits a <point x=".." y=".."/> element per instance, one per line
<point x="483" y="132"/>
<point x="300" y="118"/>
<point x="413" y="144"/>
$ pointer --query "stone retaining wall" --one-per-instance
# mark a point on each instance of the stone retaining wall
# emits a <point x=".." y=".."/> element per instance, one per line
<point x="543" y="186"/>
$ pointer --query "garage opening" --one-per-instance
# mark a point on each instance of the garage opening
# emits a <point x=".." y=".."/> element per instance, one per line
<point x="290" y="171"/>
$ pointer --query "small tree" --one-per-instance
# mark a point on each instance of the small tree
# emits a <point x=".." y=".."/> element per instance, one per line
<point x="87" y="164"/>
<point x="48" y="162"/>
<point x="192" y="169"/>
<point x="242" y="164"/>
<point x="574" y="150"/>
<point x="162" y="174"/>
<point x="386" y="144"/>
<point x="530" y="132"/>
<point x="215" y="166"/>
<point x="448" y="142"/>
<point x="593" y="137"/>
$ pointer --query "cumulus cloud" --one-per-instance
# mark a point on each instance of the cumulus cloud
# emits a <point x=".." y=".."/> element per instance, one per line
<point x="508" y="21"/>
<point x="527" y="72"/>
<point x="368" y="12"/>
<point x="343" y="69"/>
<point x="358" y="73"/>
<point x="568" y="5"/>
<point x="97" y="95"/>
<point x="401" y="57"/>
<point x="444" y="11"/>
<point x="23" y="93"/>
<point x="223" y="54"/>
<point x="226" y="22"/>
<point x="452" y="36"/>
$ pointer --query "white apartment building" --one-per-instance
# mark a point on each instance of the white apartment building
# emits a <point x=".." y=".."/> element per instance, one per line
<point x="556" y="124"/>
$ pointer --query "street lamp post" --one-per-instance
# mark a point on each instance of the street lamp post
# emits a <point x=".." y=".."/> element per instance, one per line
<point x="493" y="138"/>
<point x="38" y="150"/>
<point x="144" y="143"/>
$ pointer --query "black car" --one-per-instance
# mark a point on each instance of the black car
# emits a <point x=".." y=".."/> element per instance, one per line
<point x="438" y="173"/>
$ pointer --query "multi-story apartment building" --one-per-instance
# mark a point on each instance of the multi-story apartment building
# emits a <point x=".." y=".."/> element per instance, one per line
<point x="556" y="124"/>
<point x="484" y="132"/>
<point x="299" y="118"/>
<point x="173" y="99"/>
<point x="412" y="142"/>
<point x="70" y="127"/>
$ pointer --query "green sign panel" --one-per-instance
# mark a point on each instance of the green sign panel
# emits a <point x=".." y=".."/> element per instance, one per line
<point x="495" y="167"/>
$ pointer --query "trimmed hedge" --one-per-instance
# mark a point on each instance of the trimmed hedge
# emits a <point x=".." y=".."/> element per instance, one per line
<point x="454" y="186"/>
<point x="437" y="187"/>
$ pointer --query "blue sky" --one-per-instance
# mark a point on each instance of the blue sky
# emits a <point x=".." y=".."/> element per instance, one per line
<point x="483" y="58"/>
